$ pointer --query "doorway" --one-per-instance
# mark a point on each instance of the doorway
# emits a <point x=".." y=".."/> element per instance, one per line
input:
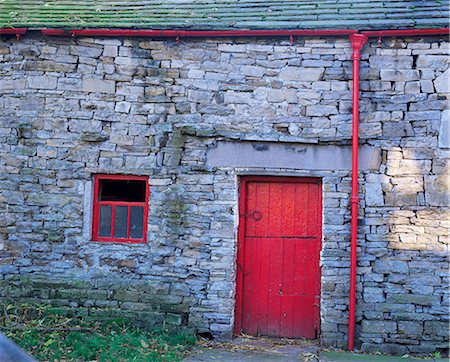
<point x="278" y="261"/>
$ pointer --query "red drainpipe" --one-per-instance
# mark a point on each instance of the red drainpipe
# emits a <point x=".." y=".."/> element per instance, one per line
<point x="357" y="40"/>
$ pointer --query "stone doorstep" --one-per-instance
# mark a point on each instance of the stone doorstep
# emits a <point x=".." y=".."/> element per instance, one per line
<point x="255" y="349"/>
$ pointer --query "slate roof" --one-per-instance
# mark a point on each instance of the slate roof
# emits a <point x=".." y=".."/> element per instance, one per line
<point x="225" y="14"/>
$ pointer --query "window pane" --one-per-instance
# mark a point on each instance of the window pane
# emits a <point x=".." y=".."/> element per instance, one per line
<point x="120" y="221"/>
<point x="137" y="222"/>
<point x="104" y="228"/>
<point x="122" y="190"/>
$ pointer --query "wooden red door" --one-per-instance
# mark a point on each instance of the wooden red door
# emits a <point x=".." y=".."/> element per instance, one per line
<point x="278" y="270"/>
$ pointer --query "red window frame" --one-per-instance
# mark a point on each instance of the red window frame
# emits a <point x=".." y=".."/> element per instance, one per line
<point x="113" y="204"/>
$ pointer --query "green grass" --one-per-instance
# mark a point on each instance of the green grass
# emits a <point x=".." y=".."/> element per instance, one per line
<point x="50" y="336"/>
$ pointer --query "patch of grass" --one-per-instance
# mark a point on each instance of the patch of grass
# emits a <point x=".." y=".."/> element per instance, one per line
<point x="437" y="354"/>
<point x="50" y="336"/>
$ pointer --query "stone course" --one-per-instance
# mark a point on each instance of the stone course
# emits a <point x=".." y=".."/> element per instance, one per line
<point x="71" y="108"/>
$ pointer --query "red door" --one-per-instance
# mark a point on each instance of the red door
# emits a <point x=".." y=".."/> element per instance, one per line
<point x="278" y="277"/>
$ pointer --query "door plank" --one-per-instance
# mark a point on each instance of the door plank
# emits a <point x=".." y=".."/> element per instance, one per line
<point x="249" y="316"/>
<point x="275" y="286"/>
<point x="263" y="308"/>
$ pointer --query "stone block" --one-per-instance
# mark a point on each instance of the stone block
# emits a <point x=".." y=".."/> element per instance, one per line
<point x="252" y="71"/>
<point x="321" y="110"/>
<point x="282" y="95"/>
<point x="444" y="130"/>
<point x="374" y="194"/>
<point x="130" y="90"/>
<point x="49" y="66"/>
<point x="436" y="62"/>
<point x="174" y="319"/>
<point x="70" y="84"/>
<point x="426" y="86"/>
<point x="442" y="83"/>
<point x="123" y="107"/>
<point x="301" y="74"/>
<point x="110" y="51"/>
<point x="424" y="349"/>
<point x="390" y="62"/>
<point x="42" y="82"/>
<point x="397" y="129"/>
<point x="12" y="197"/>
<point x="373" y="295"/>
<point x="390" y="266"/>
<point x="232" y="48"/>
<point x="408" y="167"/>
<point x="436" y="190"/>
<point x="412" y="87"/>
<point x="96" y="85"/>
<point x="410" y="328"/>
<point x="399" y="75"/>
<point x="374" y="327"/>
<point x="12" y="84"/>
<point x="151" y="45"/>
<point x="387" y="348"/>
<point x="86" y="51"/>
<point x="199" y="96"/>
<point x="436" y="328"/>
<point x="418" y="299"/>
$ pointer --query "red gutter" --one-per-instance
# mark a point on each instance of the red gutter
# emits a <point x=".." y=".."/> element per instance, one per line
<point x="14" y="31"/>
<point x="18" y="32"/>
<point x="193" y="33"/>
<point x="227" y="33"/>
<point x="410" y="32"/>
<point x="357" y="40"/>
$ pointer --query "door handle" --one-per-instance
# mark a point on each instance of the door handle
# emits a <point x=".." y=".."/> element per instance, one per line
<point x="255" y="215"/>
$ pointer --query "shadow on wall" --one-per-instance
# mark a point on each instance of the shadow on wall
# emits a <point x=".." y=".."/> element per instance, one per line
<point x="404" y="264"/>
<point x="417" y="188"/>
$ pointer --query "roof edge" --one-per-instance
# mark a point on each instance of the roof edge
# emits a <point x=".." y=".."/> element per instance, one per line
<point x="102" y="32"/>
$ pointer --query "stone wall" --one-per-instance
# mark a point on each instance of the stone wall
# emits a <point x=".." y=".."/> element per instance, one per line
<point x="71" y="108"/>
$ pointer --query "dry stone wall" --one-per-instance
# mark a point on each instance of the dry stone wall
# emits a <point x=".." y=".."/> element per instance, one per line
<point x="71" y="108"/>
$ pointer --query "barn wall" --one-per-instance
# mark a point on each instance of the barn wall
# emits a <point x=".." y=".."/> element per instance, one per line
<point x="71" y="108"/>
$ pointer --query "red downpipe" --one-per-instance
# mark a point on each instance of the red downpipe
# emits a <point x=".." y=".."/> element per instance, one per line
<point x="357" y="40"/>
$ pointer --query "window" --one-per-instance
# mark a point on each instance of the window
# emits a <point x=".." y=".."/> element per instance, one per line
<point x="120" y="208"/>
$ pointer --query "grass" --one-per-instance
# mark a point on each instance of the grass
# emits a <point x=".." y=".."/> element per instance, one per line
<point x="50" y="336"/>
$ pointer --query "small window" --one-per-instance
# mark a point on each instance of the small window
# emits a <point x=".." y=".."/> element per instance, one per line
<point x="120" y="208"/>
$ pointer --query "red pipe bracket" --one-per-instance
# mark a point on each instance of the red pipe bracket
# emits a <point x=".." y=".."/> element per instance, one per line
<point x="358" y="41"/>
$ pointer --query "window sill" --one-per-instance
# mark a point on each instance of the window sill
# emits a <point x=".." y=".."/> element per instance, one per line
<point x="126" y="241"/>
